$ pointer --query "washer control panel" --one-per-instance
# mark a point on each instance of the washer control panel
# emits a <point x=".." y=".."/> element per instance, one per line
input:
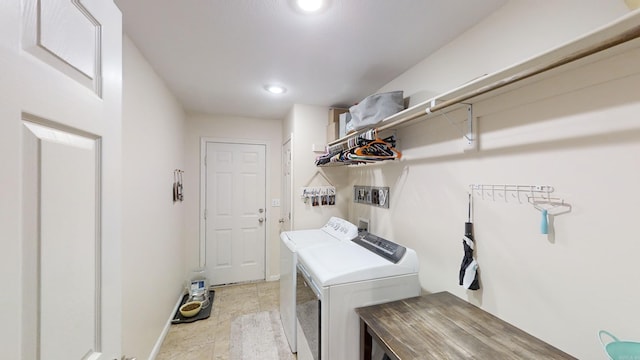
<point x="340" y="229"/>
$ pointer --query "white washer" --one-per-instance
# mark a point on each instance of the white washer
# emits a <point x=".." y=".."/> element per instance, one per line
<point x="333" y="233"/>
<point x="333" y="281"/>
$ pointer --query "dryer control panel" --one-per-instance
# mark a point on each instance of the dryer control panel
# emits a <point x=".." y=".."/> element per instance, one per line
<point x="380" y="246"/>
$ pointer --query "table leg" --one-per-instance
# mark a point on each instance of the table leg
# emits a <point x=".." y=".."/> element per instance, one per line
<point x="365" y="342"/>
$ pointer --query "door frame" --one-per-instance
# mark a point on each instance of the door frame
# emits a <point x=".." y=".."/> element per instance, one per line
<point x="202" y="248"/>
<point x="291" y="187"/>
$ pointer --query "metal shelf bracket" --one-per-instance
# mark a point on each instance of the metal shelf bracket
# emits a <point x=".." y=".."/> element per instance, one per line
<point x="471" y="137"/>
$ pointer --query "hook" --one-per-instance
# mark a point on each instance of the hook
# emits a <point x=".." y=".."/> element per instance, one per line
<point x="547" y="207"/>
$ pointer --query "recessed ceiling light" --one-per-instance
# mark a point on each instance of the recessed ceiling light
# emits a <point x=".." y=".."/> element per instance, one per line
<point x="309" y="5"/>
<point x="275" y="89"/>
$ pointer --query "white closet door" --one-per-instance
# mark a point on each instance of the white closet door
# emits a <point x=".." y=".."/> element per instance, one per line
<point x="60" y="136"/>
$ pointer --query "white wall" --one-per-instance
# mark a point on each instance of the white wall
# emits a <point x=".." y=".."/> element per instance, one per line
<point x="518" y="31"/>
<point x="234" y="128"/>
<point x="152" y="259"/>
<point x="309" y="126"/>
<point x="578" y="131"/>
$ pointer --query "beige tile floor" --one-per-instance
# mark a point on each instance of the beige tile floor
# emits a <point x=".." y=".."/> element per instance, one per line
<point x="209" y="339"/>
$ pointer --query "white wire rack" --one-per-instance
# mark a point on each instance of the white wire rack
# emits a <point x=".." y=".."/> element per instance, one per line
<point x="510" y="193"/>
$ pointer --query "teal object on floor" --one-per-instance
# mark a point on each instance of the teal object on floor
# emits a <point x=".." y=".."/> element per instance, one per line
<point x="620" y="350"/>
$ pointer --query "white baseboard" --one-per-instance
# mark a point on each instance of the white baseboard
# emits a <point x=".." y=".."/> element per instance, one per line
<point x="273" y="278"/>
<point x="158" y="345"/>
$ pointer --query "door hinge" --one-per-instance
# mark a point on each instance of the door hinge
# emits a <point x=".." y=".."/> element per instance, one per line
<point x="205" y="214"/>
<point x="205" y="160"/>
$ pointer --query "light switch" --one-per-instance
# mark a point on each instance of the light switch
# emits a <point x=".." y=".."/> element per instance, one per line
<point x="275" y="202"/>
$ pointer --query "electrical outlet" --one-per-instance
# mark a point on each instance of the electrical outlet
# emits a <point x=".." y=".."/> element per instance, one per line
<point x="363" y="225"/>
<point x="275" y="202"/>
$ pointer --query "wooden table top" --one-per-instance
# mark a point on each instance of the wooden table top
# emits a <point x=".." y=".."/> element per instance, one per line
<point x="442" y="326"/>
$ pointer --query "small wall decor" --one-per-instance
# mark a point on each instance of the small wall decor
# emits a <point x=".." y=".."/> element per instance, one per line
<point x="319" y="195"/>
<point x="371" y="195"/>
<point x="177" y="185"/>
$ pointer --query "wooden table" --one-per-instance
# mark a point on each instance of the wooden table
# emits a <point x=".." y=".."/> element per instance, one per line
<point x="442" y="326"/>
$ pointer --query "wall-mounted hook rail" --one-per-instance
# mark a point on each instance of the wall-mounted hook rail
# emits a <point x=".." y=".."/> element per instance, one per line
<point x="507" y="193"/>
<point x="537" y="195"/>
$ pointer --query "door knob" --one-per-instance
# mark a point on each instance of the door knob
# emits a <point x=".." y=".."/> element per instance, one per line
<point x="281" y="221"/>
<point x="260" y="220"/>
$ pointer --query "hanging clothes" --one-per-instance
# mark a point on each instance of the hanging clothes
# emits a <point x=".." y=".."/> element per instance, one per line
<point x="376" y="150"/>
<point x="367" y="148"/>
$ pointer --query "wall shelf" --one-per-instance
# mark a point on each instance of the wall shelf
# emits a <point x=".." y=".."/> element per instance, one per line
<point x="589" y="47"/>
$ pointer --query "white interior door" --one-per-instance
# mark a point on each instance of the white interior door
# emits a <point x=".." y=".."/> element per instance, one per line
<point x="60" y="134"/>
<point x="235" y="212"/>
<point x="285" y="215"/>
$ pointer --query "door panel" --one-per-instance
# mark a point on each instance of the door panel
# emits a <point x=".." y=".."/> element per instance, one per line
<point x="75" y="41"/>
<point x="64" y="203"/>
<point x="65" y="35"/>
<point x="223" y="248"/>
<point x="235" y="218"/>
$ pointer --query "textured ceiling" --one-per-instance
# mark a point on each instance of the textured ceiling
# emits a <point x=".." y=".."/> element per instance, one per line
<point x="217" y="55"/>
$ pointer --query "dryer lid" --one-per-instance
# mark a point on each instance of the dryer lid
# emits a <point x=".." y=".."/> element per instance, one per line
<point x="350" y="262"/>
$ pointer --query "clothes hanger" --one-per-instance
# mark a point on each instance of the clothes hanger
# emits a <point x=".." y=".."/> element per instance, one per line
<point x="377" y="149"/>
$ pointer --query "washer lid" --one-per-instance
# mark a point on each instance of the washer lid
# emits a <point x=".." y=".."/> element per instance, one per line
<point x="350" y="262"/>
<point x="334" y="231"/>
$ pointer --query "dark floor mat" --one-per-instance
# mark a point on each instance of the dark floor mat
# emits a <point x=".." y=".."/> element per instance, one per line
<point x="203" y="314"/>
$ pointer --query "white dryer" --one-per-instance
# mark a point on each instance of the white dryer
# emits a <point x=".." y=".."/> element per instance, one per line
<point x="333" y="233"/>
<point x="333" y="281"/>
